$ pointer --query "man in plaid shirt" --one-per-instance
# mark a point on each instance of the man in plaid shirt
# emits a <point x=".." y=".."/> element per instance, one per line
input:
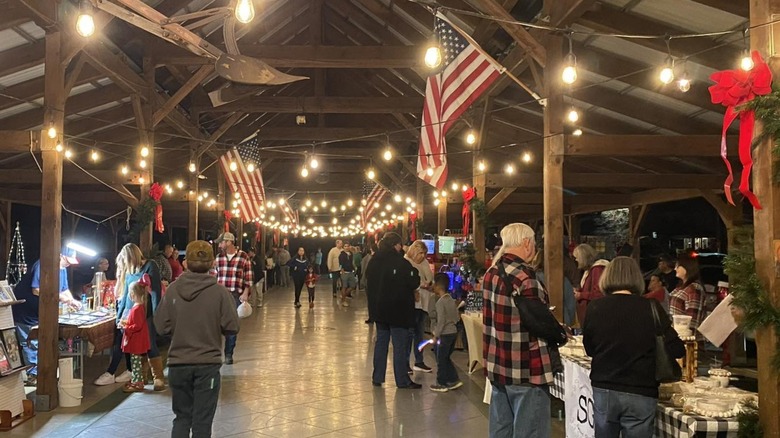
<point x="518" y="364"/>
<point x="234" y="271"/>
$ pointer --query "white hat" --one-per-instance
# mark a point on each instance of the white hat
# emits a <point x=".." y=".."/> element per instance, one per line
<point x="226" y="236"/>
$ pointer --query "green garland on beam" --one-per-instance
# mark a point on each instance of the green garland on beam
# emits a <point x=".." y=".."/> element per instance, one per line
<point x="749" y="296"/>
<point x="479" y="208"/>
<point x="767" y="109"/>
<point x="144" y="215"/>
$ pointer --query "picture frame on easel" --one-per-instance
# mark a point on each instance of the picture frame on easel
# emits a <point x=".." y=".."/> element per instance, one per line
<point x="5" y="364"/>
<point x="12" y="350"/>
<point x="6" y="292"/>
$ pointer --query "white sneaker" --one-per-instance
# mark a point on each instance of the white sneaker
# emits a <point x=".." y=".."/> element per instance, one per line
<point x="345" y="303"/>
<point x="124" y="377"/>
<point x="105" y="379"/>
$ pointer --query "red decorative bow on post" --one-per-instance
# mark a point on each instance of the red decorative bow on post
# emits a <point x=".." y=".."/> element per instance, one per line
<point x="413" y="227"/>
<point x="156" y="192"/>
<point x="468" y="195"/>
<point x="258" y="232"/>
<point x="228" y="216"/>
<point x="733" y="88"/>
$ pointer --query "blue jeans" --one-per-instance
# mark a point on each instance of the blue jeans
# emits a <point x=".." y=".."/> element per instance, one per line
<point x="195" y="392"/>
<point x="117" y="355"/>
<point x="416" y="335"/>
<point x="617" y="412"/>
<point x="29" y="347"/>
<point x="230" y="340"/>
<point x="519" y="411"/>
<point x="446" y="373"/>
<point x="400" y="336"/>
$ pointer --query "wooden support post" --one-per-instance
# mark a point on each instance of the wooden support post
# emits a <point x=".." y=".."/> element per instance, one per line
<point x="636" y="216"/>
<point x="574" y="229"/>
<point x="222" y="201"/>
<point x="766" y="40"/>
<point x="47" y="396"/>
<point x="146" y="131"/>
<point x="405" y="227"/>
<point x="479" y="178"/>
<point x="192" y="225"/>
<point x="442" y="216"/>
<point x="552" y="193"/>
<point x="420" y="200"/>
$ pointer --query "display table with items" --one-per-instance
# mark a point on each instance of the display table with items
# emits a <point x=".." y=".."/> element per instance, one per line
<point x="14" y="406"/>
<point x="705" y="407"/>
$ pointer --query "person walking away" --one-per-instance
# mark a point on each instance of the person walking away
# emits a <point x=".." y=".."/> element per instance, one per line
<point x="619" y="333"/>
<point x="318" y="261"/>
<point x="270" y="268"/>
<point x="518" y="365"/>
<point x="297" y="267"/>
<point x="234" y="271"/>
<point x="135" y="340"/>
<point x="422" y="297"/>
<point x="196" y="312"/>
<point x="592" y="267"/>
<point x="333" y="266"/>
<point x="657" y="291"/>
<point x="444" y="317"/>
<point x="311" y="284"/>
<point x="392" y="281"/>
<point x="284" y="260"/>
<point x="348" y="280"/>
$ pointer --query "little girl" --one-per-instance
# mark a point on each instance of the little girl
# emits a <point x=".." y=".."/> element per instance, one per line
<point x="135" y="340"/>
<point x="311" y="282"/>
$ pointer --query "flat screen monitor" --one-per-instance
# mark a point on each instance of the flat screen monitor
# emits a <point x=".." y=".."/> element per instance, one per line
<point x="446" y="244"/>
<point x="431" y="244"/>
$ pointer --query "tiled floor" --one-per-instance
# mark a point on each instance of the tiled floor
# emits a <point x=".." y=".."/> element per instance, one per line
<point x="298" y="373"/>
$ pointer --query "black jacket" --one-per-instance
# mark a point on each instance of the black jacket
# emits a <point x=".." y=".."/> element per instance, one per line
<point x="390" y="286"/>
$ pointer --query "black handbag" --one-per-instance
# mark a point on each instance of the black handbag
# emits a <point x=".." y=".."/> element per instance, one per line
<point x="667" y="370"/>
<point x="535" y="315"/>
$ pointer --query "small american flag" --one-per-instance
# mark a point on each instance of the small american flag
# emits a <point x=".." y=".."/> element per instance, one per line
<point x="465" y="74"/>
<point x="249" y="185"/>
<point x="373" y="192"/>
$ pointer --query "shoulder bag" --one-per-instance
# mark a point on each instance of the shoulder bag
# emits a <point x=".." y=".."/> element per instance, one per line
<point x="667" y="370"/>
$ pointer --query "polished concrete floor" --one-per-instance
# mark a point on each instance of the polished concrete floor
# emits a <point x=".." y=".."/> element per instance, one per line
<point x="297" y="373"/>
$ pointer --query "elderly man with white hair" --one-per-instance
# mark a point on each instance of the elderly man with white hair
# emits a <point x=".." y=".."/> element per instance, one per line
<point x="518" y="364"/>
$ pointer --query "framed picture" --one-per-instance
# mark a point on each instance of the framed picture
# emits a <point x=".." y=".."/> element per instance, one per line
<point x="11" y="344"/>
<point x="6" y="292"/>
<point x="5" y="366"/>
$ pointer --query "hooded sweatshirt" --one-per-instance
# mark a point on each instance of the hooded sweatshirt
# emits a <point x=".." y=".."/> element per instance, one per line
<point x="198" y="312"/>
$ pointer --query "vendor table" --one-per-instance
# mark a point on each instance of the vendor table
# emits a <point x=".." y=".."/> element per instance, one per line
<point x="74" y="339"/>
<point x="472" y="323"/>
<point x="669" y="421"/>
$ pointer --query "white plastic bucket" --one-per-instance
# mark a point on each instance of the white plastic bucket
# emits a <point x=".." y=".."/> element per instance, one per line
<point x="70" y="393"/>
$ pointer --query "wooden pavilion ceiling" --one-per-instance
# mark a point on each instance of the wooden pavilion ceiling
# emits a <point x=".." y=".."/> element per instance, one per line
<point x="363" y="58"/>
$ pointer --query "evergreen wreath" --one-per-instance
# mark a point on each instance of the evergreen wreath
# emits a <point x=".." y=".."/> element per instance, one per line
<point x="748" y="294"/>
<point x="480" y="212"/>
<point x="144" y="215"/>
<point x="766" y="109"/>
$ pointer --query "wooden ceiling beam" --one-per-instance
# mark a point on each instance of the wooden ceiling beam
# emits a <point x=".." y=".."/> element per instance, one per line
<point x="494" y="9"/>
<point x="14" y="15"/>
<point x="610" y="180"/>
<point x="393" y="20"/>
<point x="658" y="196"/>
<point x="330" y="133"/>
<point x="326" y="105"/>
<point x="21" y="58"/>
<point x="33" y="89"/>
<point x="71" y="176"/>
<point x="645" y="145"/>
<point x="19" y="141"/>
<point x="738" y="8"/>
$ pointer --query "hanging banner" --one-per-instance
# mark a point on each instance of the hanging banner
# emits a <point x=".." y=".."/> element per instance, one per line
<point x="578" y="397"/>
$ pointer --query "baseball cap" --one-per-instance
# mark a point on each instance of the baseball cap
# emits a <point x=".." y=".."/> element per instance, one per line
<point x="70" y="259"/>
<point x="200" y="251"/>
<point x="226" y="236"/>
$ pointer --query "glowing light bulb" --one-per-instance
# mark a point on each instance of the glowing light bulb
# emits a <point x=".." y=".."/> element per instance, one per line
<point x="94" y="156"/>
<point x="509" y="169"/>
<point x="192" y="167"/>
<point x="436" y="202"/>
<point x="433" y="56"/>
<point x="124" y="170"/>
<point x="68" y="154"/>
<point x="471" y="137"/>
<point x="569" y="74"/>
<point x="429" y="171"/>
<point x="443" y="193"/>
<point x="577" y="132"/>
<point x="250" y="167"/>
<point x="324" y="203"/>
<point x="387" y="155"/>
<point x="435" y="194"/>
<point x="746" y="63"/>
<point x="52" y="132"/>
<point x="350" y="202"/>
<point x="333" y="209"/>
<point x="141" y="180"/>
<point x="408" y="200"/>
<point x="245" y="11"/>
<point x="667" y="74"/>
<point x="526" y="157"/>
<point x="85" y="25"/>
<point x="314" y="163"/>
<point x="397" y="198"/>
<point x="371" y="174"/>
<point x="573" y="115"/>
<point x="304" y="172"/>
<point x="465" y="187"/>
<point x="144" y="151"/>
<point x="142" y="164"/>
<point x="180" y="184"/>
<point x="455" y="186"/>
<point x="308" y="202"/>
<point x="59" y="147"/>
<point x="233" y="166"/>
<point x="205" y="195"/>
<point x="684" y="84"/>
<point x="481" y="166"/>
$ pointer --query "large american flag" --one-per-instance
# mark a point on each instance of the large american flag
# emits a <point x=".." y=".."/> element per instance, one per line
<point x="373" y="193"/>
<point x="464" y="75"/>
<point x="249" y="185"/>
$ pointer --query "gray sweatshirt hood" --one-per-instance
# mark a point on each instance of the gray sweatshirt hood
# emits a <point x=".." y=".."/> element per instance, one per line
<point x="191" y="284"/>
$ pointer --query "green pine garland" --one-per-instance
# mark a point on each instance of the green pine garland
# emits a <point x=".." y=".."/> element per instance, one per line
<point x="747" y="291"/>
<point x="749" y="427"/>
<point x="479" y="208"/>
<point x="766" y="109"/>
<point x="144" y="215"/>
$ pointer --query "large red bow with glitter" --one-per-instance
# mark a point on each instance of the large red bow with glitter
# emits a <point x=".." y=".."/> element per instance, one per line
<point x="156" y="192"/>
<point x="227" y="220"/>
<point x="468" y="195"/>
<point x="733" y="88"/>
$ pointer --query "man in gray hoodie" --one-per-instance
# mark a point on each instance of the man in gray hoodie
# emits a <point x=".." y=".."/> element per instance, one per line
<point x="197" y="311"/>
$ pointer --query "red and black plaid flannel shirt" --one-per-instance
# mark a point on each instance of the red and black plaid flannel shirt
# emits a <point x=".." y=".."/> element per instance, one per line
<point x="236" y="274"/>
<point x="512" y="355"/>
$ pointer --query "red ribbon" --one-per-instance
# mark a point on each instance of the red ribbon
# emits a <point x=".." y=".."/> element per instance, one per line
<point x="258" y="232"/>
<point x="156" y="192"/>
<point x="733" y="88"/>
<point x="468" y="195"/>
<point x="413" y="220"/>
<point x="227" y="220"/>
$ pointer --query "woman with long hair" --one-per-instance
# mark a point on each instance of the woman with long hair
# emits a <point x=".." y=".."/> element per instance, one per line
<point x="688" y="297"/>
<point x="131" y="266"/>
<point x="592" y="267"/>
<point x="416" y="256"/>
<point x="619" y="334"/>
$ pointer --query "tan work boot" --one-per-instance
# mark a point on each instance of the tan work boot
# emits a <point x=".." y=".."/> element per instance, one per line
<point x="157" y="372"/>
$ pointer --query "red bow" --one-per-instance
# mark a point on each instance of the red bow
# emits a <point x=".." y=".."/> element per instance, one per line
<point x="733" y="88"/>
<point x="258" y="231"/>
<point x="468" y="195"/>
<point x="145" y="280"/>
<point x="413" y="220"/>
<point x="156" y="192"/>
<point x="227" y="220"/>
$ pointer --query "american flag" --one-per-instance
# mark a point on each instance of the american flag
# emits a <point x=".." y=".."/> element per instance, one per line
<point x="290" y="216"/>
<point x="249" y="185"/>
<point x="464" y="75"/>
<point x="373" y="192"/>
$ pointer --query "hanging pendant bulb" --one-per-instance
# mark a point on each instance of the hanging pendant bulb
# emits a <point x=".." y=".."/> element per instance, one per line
<point x="233" y="166"/>
<point x="245" y="11"/>
<point x="433" y="56"/>
<point x="371" y="174"/>
<point x="94" y="156"/>
<point x="577" y="132"/>
<point x="51" y="132"/>
<point x="192" y="168"/>
<point x="746" y="63"/>
<point x="471" y="137"/>
<point x="314" y="163"/>
<point x="387" y="155"/>
<point x="481" y="166"/>
<point x="304" y="172"/>
<point x="250" y="167"/>
<point x="429" y="171"/>
<point x="667" y="73"/>
<point x="573" y="115"/>
<point x="85" y="24"/>
<point x="569" y="73"/>
<point x="684" y="84"/>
